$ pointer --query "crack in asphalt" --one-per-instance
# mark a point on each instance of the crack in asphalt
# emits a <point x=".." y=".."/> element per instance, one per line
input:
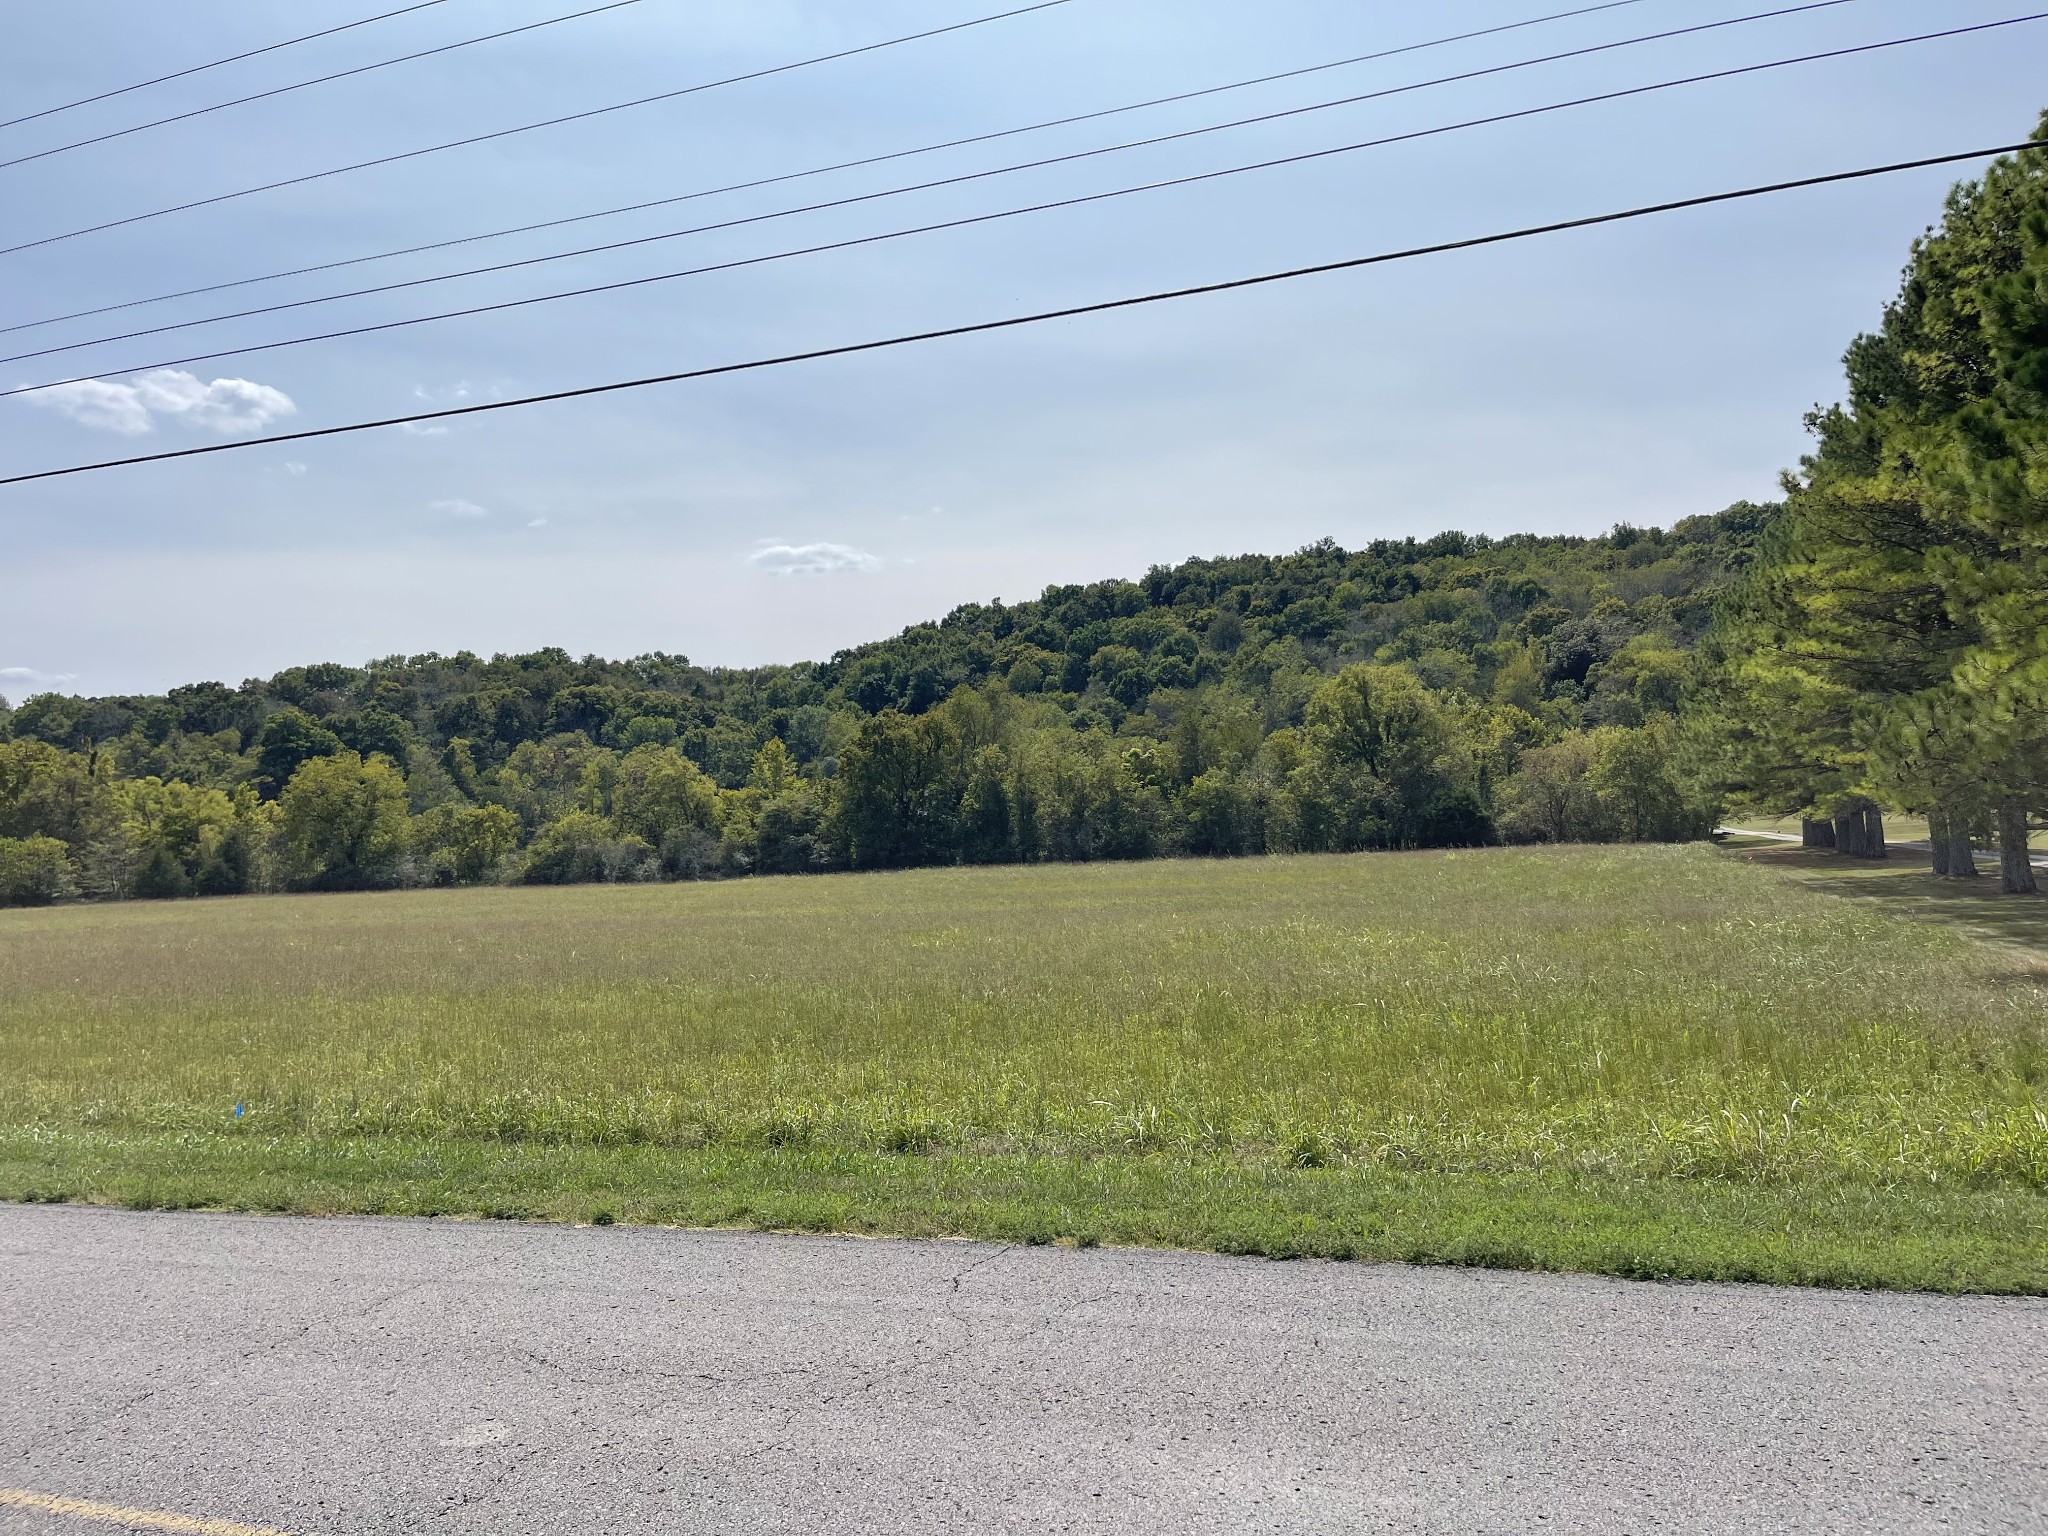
<point x="985" y="1259"/>
<point x="497" y="1484"/>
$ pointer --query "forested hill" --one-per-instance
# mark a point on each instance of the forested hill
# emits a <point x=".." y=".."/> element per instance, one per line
<point x="1461" y="612"/>
<point x="1389" y="696"/>
<point x="1586" y="627"/>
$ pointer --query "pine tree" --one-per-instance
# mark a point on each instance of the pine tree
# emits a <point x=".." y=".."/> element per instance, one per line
<point x="1892" y="641"/>
<point x="1990" y="459"/>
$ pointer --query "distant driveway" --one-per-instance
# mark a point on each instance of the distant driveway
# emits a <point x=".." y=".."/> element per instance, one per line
<point x="216" y="1375"/>
<point x="2039" y="861"/>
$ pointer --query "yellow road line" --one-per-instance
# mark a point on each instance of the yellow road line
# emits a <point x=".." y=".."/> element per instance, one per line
<point x="134" y="1519"/>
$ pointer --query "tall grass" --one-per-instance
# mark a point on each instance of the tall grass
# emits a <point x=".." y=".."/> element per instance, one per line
<point x="1645" y="1012"/>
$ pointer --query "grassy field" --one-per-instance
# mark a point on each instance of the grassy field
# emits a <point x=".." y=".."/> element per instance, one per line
<point x="1643" y="1061"/>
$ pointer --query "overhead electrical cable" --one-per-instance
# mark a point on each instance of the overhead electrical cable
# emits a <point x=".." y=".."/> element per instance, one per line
<point x="856" y="242"/>
<point x="924" y="186"/>
<point x="823" y="170"/>
<point x="300" y="85"/>
<point x="1041" y="317"/>
<point x="551" y="122"/>
<point x="233" y="58"/>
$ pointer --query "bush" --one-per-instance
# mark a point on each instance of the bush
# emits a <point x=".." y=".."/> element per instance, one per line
<point x="463" y="844"/>
<point x="1455" y="819"/>
<point x="581" y="849"/>
<point x="229" y="869"/>
<point x="35" y="871"/>
<point x="691" y="853"/>
<point x="162" y="877"/>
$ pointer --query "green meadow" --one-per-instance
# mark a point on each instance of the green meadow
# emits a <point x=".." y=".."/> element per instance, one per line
<point x="1634" y="1060"/>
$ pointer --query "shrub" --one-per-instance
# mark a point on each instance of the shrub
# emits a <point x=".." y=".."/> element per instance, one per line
<point x="35" y="871"/>
<point x="581" y="849"/>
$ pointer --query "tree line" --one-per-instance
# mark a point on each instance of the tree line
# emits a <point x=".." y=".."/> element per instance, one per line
<point x="1449" y="692"/>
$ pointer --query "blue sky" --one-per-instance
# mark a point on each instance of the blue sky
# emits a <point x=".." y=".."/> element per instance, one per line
<point x="1638" y="373"/>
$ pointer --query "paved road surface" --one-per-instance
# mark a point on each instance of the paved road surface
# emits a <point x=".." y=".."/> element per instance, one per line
<point x="329" y="1378"/>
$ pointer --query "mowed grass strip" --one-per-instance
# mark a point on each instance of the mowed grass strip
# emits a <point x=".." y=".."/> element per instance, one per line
<point x="1637" y="1060"/>
<point x="1848" y="1234"/>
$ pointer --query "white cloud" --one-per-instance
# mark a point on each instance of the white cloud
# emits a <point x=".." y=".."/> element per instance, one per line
<point x="456" y="507"/>
<point x="812" y="559"/>
<point x="226" y="406"/>
<point x="538" y="522"/>
<point x="294" y="468"/>
<point x="31" y="675"/>
<point x="96" y="403"/>
<point x="421" y="429"/>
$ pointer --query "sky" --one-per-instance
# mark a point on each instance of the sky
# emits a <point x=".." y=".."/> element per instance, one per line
<point x="1643" y="372"/>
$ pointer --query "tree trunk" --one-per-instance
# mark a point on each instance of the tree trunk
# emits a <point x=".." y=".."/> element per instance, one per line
<point x="2015" y="859"/>
<point x="1962" y="858"/>
<point x="1937" y="839"/>
<point x="1816" y="834"/>
<point x="1859" y="831"/>
<point x="1849" y="834"/>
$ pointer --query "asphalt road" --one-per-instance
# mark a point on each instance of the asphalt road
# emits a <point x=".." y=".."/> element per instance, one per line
<point x="337" y="1377"/>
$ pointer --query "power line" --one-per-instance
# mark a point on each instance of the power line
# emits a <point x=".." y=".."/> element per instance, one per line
<point x="552" y="122"/>
<point x="300" y="85"/>
<point x="1041" y="317"/>
<point x="1011" y="213"/>
<point x="843" y="165"/>
<point x="926" y="186"/>
<point x="233" y="58"/>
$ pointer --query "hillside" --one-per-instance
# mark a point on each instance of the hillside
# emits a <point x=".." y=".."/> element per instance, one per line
<point x="1458" y="690"/>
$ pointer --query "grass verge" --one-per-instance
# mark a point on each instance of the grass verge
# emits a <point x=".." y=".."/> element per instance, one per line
<point x="1847" y="1235"/>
